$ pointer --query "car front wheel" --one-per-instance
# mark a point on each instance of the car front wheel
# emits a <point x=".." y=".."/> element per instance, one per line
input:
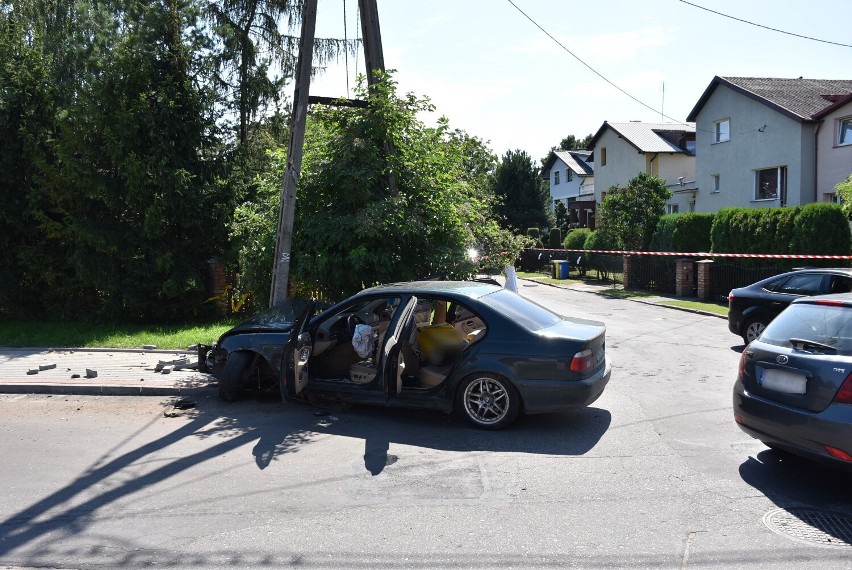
<point x="233" y="373"/>
<point x="753" y="329"/>
<point x="488" y="401"/>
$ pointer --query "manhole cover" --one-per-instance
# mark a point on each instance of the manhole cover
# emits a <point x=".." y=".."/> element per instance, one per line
<point x="814" y="527"/>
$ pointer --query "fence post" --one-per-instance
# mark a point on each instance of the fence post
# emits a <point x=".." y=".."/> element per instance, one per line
<point x="705" y="267"/>
<point x="218" y="282"/>
<point x="627" y="267"/>
<point x="684" y="277"/>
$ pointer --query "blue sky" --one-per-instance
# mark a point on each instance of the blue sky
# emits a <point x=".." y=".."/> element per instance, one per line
<point x="493" y="73"/>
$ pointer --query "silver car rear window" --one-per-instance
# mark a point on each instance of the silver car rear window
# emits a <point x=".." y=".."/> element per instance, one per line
<point x="826" y="324"/>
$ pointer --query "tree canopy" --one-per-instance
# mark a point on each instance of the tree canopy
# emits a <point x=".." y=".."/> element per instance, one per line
<point x="524" y="198"/>
<point x="631" y="214"/>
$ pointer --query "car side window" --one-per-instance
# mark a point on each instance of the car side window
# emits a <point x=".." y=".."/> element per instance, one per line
<point x="808" y="284"/>
<point x="840" y="284"/>
<point x="775" y="285"/>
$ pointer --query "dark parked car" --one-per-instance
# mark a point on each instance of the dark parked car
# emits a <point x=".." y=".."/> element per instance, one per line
<point x="751" y="308"/>
<point x="794" y="386"/>
<point x="467" y="346"/>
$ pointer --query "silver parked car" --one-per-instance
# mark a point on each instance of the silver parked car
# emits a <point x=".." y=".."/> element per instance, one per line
<point x="794" y="386"/>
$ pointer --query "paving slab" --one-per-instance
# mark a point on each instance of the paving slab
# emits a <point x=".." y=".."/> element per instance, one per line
<point x="89" y="371"/>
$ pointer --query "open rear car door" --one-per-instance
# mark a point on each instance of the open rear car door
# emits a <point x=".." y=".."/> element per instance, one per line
<point x="296" y="355"/>
<point x="393" y="365"/>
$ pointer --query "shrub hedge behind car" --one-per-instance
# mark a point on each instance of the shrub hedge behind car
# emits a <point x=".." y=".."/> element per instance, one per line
<point x="815" y="228"/>
<point x="689" y="232"/>
<point x="576" y="238"/>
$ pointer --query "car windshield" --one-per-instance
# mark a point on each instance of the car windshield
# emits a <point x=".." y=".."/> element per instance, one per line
<point x="281" y="315"/>
<point x="826" y="324"/>
<point x="521" y="310"/>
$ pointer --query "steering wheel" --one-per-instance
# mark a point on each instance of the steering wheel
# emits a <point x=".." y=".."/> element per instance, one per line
<point x="351" y="322"/>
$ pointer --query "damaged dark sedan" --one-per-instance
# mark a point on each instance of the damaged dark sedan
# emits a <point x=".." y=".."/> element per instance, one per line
<point x="464" y="346"/>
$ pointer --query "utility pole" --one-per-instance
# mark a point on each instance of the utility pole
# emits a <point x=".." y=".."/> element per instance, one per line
<point x="287" y="211"/>
<point x="375" y="61"/>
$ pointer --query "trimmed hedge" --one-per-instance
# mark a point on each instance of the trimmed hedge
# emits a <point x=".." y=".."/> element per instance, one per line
<point x="555" y="241"/>
<point x="816" y="229"/>
<point x="576" y="238"/>
<point x="600" y="239"/>
<point x="689" y="232"/>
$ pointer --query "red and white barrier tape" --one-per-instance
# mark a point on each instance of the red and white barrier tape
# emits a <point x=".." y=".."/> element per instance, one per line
<point x="702" y="254"/>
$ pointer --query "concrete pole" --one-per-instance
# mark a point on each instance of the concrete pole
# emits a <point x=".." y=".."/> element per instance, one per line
<point x="284" y="239"/>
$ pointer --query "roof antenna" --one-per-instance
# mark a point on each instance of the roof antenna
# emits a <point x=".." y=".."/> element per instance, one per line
<point x="663" y="104"/>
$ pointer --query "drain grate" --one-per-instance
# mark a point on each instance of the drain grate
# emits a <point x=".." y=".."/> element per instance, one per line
<point x="814" y="527"/>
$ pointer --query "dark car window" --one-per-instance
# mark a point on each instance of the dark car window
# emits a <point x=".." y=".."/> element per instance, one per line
<point x="776" y="284"/>
<point x="840" y="284"/>
<point x="807" y="284"/>
<point x="827" y="324"/>
<point x="521" y="310"/>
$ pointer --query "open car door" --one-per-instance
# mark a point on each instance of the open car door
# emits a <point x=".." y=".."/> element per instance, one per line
<point x="393" y="366"/>
<point x="296" y="355"/>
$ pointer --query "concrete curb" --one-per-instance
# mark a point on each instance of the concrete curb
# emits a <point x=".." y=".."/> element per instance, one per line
<point x="101" y="390"/>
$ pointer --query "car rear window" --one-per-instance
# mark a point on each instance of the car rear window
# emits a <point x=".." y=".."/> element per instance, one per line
<point x="521" y="310"/>
<point x="826" y="324"/>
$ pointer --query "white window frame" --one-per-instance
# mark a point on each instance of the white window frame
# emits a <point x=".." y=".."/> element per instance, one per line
<point x="716" y="184"/>
<point x="556" y="178"/>
<point x="672" y="208"/>
<point x="780" y="183"/>
<point x="718" y="135"/>
<point x="569" y="175"/>
<point x="844" y="131"/>
<point x="603" y="156"/>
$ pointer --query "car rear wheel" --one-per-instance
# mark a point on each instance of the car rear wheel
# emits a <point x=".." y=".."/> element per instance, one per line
<point x="753" y="328"/>
<point x="488" y="401"/>
<point x="232" y="375"/>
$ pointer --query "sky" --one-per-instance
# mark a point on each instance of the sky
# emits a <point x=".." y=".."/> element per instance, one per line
<point x="495" y="74"/>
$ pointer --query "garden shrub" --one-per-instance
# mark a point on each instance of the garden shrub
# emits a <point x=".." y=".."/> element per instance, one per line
<point x="555" y="238"/>
<point x="576" y="238"/>
<point x="689" y="232"/>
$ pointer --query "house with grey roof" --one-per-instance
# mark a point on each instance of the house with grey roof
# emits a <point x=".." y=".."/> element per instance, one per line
<point x="666" y="150"/>
<point x="572" y="182"/>
<point x="769" y="142"/>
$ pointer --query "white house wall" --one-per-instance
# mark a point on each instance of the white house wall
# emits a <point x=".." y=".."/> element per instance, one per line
<point x="783" y="142"/>
<point x="563" y="190"/>
<point x="834" y="163"/>
<point x="623" y="162"/>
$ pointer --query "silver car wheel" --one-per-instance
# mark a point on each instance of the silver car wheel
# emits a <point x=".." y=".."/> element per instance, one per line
<point x="753" y="330"/>
<point x="486" y="401"/>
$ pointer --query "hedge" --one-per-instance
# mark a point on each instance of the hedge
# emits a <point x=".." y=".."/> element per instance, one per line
<point x="689" y="232"/>
<point x="555" y="241"/>
<point x="576" y="238"/>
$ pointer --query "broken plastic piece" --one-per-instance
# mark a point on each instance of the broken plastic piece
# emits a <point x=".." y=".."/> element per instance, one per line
<point x="184" y="404"/>
<point x="91" y="373"/>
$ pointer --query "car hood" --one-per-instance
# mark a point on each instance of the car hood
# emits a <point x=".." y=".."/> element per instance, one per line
<point x="278" y="318"/>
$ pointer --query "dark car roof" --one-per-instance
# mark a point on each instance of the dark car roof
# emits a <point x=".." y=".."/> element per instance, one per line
<point x="470" y="289"/>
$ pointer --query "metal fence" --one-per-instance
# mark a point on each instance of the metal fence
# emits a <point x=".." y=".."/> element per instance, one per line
<point x="608" y="268"/>
<point x="652" y="273"/>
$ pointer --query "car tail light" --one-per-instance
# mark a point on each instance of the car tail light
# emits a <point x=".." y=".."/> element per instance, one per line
<point x="741" y="367"/>
<point x="730" y="296"/>
<point x="583" y="361"/>
<point x="829" y="303"/>
<point x="838" y="453"/>
<point x="844" y="394"/>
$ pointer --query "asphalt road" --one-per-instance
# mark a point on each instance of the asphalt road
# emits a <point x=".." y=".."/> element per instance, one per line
<point x="654" y="475"/>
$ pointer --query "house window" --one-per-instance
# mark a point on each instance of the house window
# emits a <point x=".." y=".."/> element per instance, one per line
<point x="555" y="177"/>
<point x="722" y="130"/>
<point x="715" y="183"/>
<point x="770" y="183"/>
<point x="603" y="157"/>
<point x="569" y="175"/>
<point x="844" y="131"/>
<point x="672" y="208"/>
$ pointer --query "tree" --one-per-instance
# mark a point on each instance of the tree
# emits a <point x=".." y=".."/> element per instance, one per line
<point x="561" y="215"/>
<point x="354" y="229"/>
<point x="843" y="190"/>
<point x="524" y="197"/>
<point x="631" y="214"/>
<point x="573" y="143"/>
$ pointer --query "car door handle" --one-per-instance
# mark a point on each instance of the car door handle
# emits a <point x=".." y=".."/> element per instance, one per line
<point x="469" y="323"/>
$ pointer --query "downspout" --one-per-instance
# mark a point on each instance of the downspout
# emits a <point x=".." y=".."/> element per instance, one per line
<point x="651" y="164"/>
<point x="816" y="162"/>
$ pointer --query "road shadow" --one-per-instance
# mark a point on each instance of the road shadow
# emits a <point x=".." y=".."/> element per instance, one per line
<point x="790" y="481"/>
<point x="276" y="429"/>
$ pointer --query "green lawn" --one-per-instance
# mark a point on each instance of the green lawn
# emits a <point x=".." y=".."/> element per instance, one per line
<point x="88" y="335"/>
<point x="715" y="308"/>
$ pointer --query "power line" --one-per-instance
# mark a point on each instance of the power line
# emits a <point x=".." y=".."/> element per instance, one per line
<point x="765" y="27"/>
<point x="592" y="69"/>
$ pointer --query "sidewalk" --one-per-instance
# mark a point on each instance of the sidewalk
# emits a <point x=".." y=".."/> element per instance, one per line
<point x="93" y="371"/>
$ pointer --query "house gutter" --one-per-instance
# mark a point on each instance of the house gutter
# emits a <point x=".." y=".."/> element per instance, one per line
<point x="816" y="161"/>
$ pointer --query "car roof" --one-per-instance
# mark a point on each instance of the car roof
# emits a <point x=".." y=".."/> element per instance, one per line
<point x="471" y="289"/>
<point x="844" y="299"/>
<point x="837" y="270"/>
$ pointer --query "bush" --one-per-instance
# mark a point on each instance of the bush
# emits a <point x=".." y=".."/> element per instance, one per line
<point x="816" y="229"/>
<point x="534" y="233"/>
<point x="555" y="238"/>
<point x="576" y="239"/>
<point x="683" y="232"/>
<point x="600" y="239"/>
